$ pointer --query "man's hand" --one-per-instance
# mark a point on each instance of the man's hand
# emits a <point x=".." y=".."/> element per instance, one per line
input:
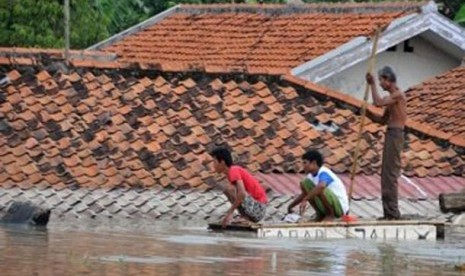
<point x="289" y="210"/>
<point x="226" y="219"/>
<point x="370" y="79"/>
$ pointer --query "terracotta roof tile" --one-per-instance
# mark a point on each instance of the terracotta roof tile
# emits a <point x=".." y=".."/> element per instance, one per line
<point x="253" y="39"/>
<point x="434" y="103"/>
<point x="166" y="147"/>
<point x="458" y="140"/>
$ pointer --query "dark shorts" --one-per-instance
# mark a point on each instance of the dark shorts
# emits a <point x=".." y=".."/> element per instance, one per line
<point x="252" y="209"/>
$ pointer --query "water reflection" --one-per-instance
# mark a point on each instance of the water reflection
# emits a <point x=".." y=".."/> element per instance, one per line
<point x="128" y="249"/>
<point x="16" y="240"/>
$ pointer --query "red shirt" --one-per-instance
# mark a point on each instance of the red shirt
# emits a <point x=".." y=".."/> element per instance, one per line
<point x="253" y="188"/>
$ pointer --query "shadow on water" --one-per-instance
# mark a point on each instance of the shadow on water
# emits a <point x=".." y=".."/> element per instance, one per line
<point x="128" y="248"/>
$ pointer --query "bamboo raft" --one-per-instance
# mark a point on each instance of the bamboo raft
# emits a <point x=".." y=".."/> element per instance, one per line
<point x="367" y="230"/>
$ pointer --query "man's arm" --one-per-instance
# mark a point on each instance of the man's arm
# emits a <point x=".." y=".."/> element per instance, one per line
<point x="230" y="192"/>
<point x="239" y="197"/>
<point x="297" y="200"/>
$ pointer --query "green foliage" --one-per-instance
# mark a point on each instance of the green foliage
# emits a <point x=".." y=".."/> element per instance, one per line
<point x="88" y="24"/>
<point x="123" y="14"/>
<point x="30" y="22"/>
<point x="40" y="23"/>
<point x="460" y="16"/>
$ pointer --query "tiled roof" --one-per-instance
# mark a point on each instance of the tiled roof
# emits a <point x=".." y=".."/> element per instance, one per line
<point x="181" y="204"/>
<point x="113" y="129"/>
<point x="421" y="128"/>
<point x="367" y="187"/>
<point x="440" y="103"/>
<point x="266" y="39"/>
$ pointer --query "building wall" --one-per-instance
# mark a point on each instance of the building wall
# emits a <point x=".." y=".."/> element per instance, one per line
<point x="411" y="68"/>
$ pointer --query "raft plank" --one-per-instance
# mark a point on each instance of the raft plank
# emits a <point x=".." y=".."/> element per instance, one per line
<point x="233" y="227"/>
<point x="374" y="230"/>
<point x="356" y="223"/>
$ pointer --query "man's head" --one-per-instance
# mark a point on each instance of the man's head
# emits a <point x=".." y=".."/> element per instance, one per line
<point x="222" y="159"/>
<point x="387" y="78"/>
<point x="313" y="160"/>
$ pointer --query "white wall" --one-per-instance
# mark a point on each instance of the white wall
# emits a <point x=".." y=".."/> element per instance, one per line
<point x="411" y="68"/>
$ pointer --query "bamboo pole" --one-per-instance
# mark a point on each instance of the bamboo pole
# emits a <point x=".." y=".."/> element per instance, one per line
<point x="66" y="11"/>
<point x="371" y="65"/>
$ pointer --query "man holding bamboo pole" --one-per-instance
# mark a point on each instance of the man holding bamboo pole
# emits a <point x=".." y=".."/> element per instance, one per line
<point x="396" y="114"/>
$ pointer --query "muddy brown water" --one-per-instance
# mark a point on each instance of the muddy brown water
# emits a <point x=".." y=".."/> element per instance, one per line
<point x="161" y="248"/>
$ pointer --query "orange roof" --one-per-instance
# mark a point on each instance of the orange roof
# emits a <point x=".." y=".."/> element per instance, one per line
<point x="440" y="103"/>
<point x="266" y="39"/>
<point x="85" y="129"/>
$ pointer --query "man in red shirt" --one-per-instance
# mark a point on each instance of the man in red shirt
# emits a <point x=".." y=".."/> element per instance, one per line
<point x="245" y="193"/>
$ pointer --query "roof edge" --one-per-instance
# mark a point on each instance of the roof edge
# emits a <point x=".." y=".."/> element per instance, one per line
<point x="134" y="29"/>
<point x="357" y="50"/>
<point x="23" y="52"/>
<point x="374" y="112"/>
<point x="52" y="58"/>
<point x="449" y="30"/>
<point x="277" y="9"/>
<point x="95" y="59"/>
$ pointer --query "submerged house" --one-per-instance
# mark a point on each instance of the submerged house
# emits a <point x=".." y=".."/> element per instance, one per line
<point x="125" y="130"/>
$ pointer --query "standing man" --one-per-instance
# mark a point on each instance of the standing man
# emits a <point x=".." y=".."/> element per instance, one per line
<point x="396" y="114"/>
<point x="244" y="192"/>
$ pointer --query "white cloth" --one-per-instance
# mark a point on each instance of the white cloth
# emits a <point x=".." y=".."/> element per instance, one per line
<point x="291" y="218"/>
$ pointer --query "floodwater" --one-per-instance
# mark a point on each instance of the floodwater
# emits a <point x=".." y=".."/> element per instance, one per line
<point x="135" y="248"/>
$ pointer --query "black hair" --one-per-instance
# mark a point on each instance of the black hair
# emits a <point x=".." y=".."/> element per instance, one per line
<point x="313" y="155"/>
<point x="387" y="73"/>
<point x="222" y="154"/>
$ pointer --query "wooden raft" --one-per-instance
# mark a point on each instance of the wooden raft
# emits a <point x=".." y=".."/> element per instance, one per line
<point x="367" y="230"/>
